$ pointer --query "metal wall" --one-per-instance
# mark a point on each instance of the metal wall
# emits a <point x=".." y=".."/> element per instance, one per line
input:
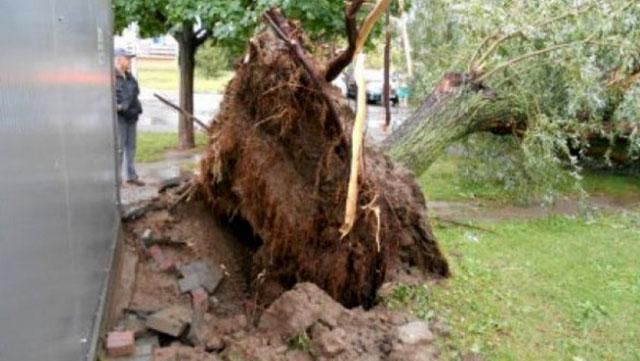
<point x="58" y="214"/>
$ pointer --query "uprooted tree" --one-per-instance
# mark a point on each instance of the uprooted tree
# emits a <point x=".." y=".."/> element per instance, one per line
<point x="278" y="159"/>
<point x="548" y="70"/>
<point x="279" y="153"/>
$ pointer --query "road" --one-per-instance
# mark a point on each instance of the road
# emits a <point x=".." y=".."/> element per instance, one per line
<point x="157" y="117"/>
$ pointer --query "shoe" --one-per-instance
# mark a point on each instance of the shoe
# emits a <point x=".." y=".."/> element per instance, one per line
<point x="135" y="182"/>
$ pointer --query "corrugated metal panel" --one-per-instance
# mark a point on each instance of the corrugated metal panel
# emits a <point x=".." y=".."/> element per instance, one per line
<point x="57" y="186"/>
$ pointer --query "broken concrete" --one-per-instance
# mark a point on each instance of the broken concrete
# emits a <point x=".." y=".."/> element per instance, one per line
<point x="172" y="321"/>
<point x="198" y="274"/>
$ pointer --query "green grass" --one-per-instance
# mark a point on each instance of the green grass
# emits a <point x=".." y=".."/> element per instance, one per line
<point x="550" y="289"/>
<point x="442" y="181"/>
<point x="163" y="75"/>
<point x="615" y="185"/>
<point x="153" y="146"/>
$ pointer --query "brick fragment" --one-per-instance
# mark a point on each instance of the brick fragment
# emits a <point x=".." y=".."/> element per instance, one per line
<point x="163" y="261"/>
<point x="120" y="343"/>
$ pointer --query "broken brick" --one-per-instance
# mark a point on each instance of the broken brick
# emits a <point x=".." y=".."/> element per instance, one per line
<point x="200" y="300"/>
<point x="171" y="321"/>
<point x="163" y="261"/>
<point x="120" y="343"/>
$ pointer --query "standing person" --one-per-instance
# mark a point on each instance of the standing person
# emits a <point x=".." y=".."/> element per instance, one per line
<point x="129" y="109"/>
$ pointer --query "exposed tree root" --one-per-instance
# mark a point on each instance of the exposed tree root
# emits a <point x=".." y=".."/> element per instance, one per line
<point x="271" y="162"/>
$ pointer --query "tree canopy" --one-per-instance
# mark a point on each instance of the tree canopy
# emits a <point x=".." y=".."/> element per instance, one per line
<point x="568" y="69"/>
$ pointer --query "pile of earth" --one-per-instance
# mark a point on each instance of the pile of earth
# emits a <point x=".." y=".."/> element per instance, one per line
<point x="304" y="323"/>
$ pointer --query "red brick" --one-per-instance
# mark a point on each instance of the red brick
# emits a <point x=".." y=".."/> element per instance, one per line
<point x="163" y="261"/>
<point x="200" y="300"/>
<point x="121" y="344"/>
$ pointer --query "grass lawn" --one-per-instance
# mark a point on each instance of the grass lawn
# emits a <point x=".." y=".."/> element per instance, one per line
<point x="442" y="181"/>
<point x="153" y="146"/>
<point x="557" y="288"/>
<point x="550" y="289"/>
<point x="163" y="75"/>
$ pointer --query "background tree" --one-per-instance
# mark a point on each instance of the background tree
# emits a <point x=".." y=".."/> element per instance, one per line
<point x="191" y="23"/>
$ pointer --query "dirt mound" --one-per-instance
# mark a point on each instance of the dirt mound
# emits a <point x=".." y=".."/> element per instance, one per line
<point x="304" y="323"/>
<point x="278" y="160"/>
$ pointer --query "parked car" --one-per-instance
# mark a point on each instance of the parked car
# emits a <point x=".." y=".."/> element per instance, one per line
<point x="375" y="84"/>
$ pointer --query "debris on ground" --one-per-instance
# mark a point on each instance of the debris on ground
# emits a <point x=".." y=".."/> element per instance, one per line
<point x="225" y="322"/>
<point x="172" y="321"/>
<point x="120" y="343"/>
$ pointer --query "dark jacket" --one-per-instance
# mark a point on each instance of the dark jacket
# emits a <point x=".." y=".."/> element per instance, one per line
<point x="127" y="102"/>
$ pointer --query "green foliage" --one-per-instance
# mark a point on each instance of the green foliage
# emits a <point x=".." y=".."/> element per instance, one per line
<point x="522" y="170"/>
<point x="213" y="60"/>
<point x="301" y="342"/>
<point x="565" y="94"/>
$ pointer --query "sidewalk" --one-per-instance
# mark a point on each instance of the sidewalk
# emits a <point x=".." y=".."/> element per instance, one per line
<point x="153" y="174"/>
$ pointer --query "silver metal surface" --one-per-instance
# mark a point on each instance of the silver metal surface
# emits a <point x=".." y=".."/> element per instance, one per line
<point x="58" y="216"/>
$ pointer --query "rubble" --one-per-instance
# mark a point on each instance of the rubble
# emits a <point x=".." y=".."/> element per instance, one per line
<point x="120" y="343"/>
<point x="200" y="300"/>
<point x="175" y="321"/>
<point x="164" y="262"/>
<point x="198" y="274"/>
<point x="171" y="321"/>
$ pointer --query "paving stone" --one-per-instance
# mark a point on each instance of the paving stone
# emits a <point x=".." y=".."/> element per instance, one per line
<point x="120" y="343"/>
<point x="134" y="211"/>
<point x="190" y="283"/>
<point x="134" y="324"/>
<point x="171" y="321"/>
<point x="198" y="274"/>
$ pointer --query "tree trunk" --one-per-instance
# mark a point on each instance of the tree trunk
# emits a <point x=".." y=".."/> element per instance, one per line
<point x="187" y="50"/>
<point x="457" y="107"/>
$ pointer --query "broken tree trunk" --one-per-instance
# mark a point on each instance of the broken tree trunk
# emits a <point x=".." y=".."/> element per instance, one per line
<point x="272" y="163"/>
<point x="457" y="107"/>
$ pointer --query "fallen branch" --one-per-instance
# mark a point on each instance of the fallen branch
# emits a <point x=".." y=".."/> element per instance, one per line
<point x="184" y="112"/>
<point x="462" y="224"/>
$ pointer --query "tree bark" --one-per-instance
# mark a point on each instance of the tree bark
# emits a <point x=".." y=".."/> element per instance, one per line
<point x="187" y="43"/>
<point x="457" y="107"/>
